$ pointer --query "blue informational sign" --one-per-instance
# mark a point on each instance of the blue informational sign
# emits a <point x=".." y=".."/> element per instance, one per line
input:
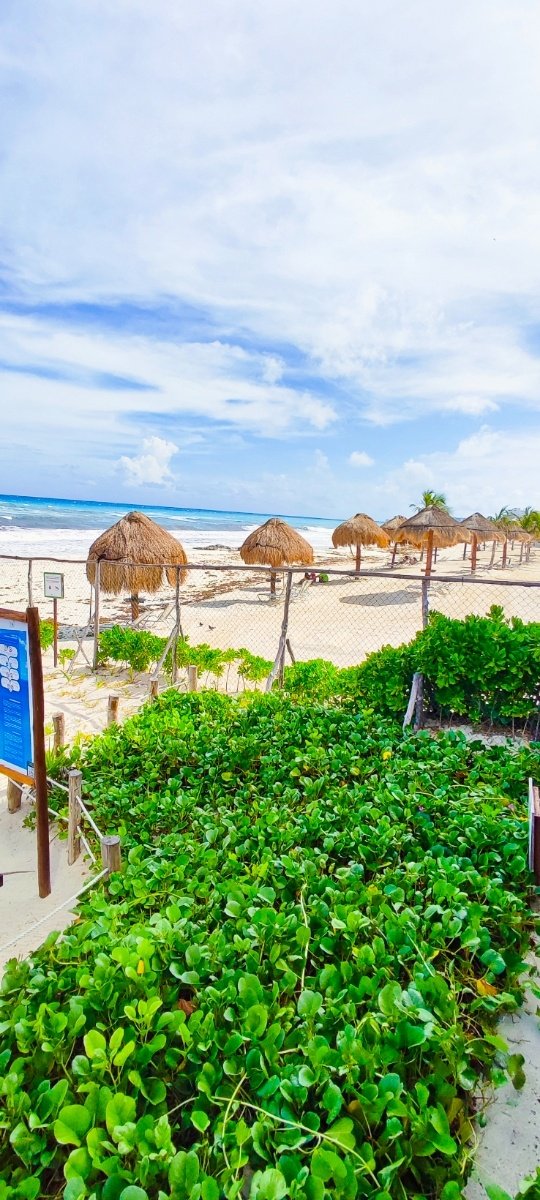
<point x="16" y="737"/>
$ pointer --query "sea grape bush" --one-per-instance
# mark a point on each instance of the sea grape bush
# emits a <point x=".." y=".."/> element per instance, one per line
<point x="481" y="669"/>
<point x="293" y="987"/>
<point x="139" y="649"/>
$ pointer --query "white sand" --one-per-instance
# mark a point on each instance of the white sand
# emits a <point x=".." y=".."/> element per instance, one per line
<point x="20" y="905"/>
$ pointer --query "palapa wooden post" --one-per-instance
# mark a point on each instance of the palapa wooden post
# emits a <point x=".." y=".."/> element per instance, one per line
<point x="358" y="558"/>
<point x="59" y="726"/>
<point x="474" y="548"/>
<point x="492" y="559"/>
<point x="14" y="795"/>
<point x="154" y="689"/>
<point x="40" y="769"/>
<point x="192" y="678"/>
<point x="111" y="854"/>
<point x="74" y="815"/>
<point x="112" y="710"/>
<point x="504" y="553"/>
<point x="394" y="552"/>
<point x="174" y="673"/>
<point x="96" y="616"/>
<point x="135" y="607"/>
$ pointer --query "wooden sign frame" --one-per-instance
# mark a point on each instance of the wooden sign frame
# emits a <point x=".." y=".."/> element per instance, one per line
<point x="38" y="780"/>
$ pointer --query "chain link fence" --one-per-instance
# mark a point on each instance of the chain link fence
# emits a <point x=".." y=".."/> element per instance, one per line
<point x="330" y="613"/>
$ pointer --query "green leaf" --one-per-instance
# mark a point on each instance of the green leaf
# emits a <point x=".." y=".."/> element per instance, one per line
<point x="342" y="1133"/>
<point x="388" y="999"/>
<point x="120" y="1111"/>
<point x="255" y="1020"/>
<point x="183" y="1172"/>
<point x="132" y="1192"/>
<point x="309" y="1003"/>
<point x="494" y="1192"/>
<point x="75" y="1189"/>
<point x="72" y="1125"/>
<point x="94" y="1044"/>
<point x="452" y="1191"/>
<point x="200" y="1119"/>
<point x="268" y="1185"/>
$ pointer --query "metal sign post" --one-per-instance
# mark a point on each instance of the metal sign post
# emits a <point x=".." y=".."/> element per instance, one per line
<point x="53" y="588"/>
<point x="22" y="724"/>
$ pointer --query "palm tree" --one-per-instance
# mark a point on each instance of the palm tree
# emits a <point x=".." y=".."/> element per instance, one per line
<point x="530" y="520"/>
<point x="429" y="499"/>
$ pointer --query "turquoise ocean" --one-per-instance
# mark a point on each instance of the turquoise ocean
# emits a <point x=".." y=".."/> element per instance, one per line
<point x="43" y="525"/>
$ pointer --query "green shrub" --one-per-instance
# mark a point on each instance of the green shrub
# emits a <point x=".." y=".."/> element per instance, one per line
<point x="46" y="634"/>
<point x="293" y="987"/>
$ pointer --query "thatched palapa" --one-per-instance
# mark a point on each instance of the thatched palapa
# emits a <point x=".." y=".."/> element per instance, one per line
<point x="432" y="527"/>
<point x="276" y="544"/>
<point x="481" y="530"/>
<point x="359" y="531"/>
<point x="390" y="527"/>
<point x="485" y="530"/>
<point x="132" y="555"/>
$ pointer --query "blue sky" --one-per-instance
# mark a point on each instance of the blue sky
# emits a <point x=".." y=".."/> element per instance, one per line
<point x="272" y="256"/>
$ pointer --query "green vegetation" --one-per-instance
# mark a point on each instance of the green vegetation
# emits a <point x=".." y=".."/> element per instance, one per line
<point x="293" y="987"/>
<point x="46" y="634"/>
<point x="138" y="649"/>
<point x="480" y="669"/>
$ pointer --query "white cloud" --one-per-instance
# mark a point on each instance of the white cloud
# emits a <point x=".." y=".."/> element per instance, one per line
<point x="359" y="458"/>
<point x="322" y="462"/>
<point x="153" y="466"/>
<point x="326" y="182"/>
<point x="485" y="471"/>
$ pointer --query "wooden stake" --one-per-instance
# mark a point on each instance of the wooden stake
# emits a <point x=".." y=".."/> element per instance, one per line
<point x="283" y="636"/>
<point x="394" y="552"/>
<point x="74" y="815"/>
<point x="289" y="648"/>
<point x="425" y="603"/>
<point x="154" y="689"/>
<point x="55" y="632"/>
<point x="59" y="725"/>
<point x="30" y="598"/>
<point x="111" y="854"/>
<point x="40" y="769"/>
<point x="192" y="679"/>
<point x="112" y="710"/>
<point x="14" y="795"/>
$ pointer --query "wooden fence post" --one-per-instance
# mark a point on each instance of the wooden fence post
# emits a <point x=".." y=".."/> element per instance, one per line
<point x="14" y="795"/>
<point x="111" y="854"/>
<point x="112" y="710"/>
<point x="59" y="724"/>
<point x="74" y="815"/>
<point x="192" y="679"/>
<point x="154" y="689"/>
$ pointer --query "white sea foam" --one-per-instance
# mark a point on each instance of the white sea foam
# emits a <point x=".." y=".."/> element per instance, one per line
<point x="75" y="543"/>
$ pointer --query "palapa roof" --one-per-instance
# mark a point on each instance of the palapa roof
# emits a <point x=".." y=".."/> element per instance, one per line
<point x="360" y="530"/>
<point x="276" y="544"/>
<point x="446" y="531"/>
<point x="516" y="533"/>
<point x="393" y="523"/>
<point x="131" y="556"/>
<point x="486" y="529"/>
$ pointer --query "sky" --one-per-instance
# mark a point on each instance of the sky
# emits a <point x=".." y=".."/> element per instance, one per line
<point x="271" y="257"/>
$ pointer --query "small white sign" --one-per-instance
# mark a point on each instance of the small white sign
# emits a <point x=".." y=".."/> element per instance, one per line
<point x="53" y="585"/>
